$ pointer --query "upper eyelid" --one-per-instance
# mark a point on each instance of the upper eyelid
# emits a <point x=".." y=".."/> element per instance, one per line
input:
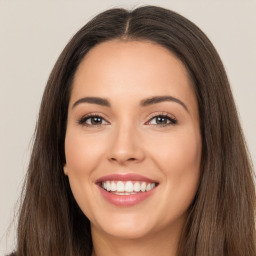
<point x="173" y="120"/>
<point x="93" y="114"/>
<point x="162" y="114"/>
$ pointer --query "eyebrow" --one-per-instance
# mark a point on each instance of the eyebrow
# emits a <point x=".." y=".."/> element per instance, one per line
<point x="159" y="99"/>
<point x="93" y="100"/>
<point x="143" y="103"/>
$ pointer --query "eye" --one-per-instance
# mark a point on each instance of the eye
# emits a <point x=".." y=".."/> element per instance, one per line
<point x="162" y="120"/>
<point x="92" y="120"/>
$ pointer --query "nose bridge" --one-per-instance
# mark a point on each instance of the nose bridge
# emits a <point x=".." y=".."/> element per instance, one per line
<point x="125" y="143"/>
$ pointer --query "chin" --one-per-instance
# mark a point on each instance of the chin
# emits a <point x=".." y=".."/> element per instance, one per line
<point x="124" y="231"/>
<point x="127" y="226"/>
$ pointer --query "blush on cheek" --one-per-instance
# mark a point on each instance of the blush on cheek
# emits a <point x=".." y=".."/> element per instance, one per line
<point x="80" y="153"/>
<point x="180" y="160"/>
<point x="78" y="164"/>
<point x="181" y="157"/>
<point x="188" y="151"/>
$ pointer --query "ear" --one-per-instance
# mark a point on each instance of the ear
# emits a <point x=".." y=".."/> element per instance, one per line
<point x="65" y="169"/>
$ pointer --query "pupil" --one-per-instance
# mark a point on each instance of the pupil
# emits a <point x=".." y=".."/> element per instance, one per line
<point x="161" y="120"/>
<point x="96" y="120"/>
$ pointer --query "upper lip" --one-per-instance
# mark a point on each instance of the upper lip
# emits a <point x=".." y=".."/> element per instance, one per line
<point x="125" y="177"/>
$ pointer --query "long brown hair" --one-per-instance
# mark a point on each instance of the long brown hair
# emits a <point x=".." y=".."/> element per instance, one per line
<point x="221" y="218"/>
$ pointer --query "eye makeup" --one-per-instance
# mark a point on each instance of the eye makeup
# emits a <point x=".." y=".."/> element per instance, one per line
<point x="95" y="120"/>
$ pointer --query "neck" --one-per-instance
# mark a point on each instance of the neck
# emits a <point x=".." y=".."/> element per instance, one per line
<point x="151" y="245"/>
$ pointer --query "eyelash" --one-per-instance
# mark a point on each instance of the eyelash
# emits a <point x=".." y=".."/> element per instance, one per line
<point x="82" y="121"/>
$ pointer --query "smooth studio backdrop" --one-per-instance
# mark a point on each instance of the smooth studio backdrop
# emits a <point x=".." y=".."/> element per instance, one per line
<point x="32" y="35"/>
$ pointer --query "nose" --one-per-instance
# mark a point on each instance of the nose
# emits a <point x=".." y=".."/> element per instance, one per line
<point x="125" y="146"/>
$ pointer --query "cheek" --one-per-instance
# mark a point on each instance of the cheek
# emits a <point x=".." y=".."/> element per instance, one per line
<point x="179" y="158"/>
<point x="82" y="152"/>
<point x="178" y="153"/>
<point x="83" y="155"/>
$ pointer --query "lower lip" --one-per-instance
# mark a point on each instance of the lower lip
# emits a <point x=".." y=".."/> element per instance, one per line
<point x="126" y="200"/>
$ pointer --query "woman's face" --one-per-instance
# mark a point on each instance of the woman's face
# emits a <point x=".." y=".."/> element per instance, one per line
<point x="133" y="143"/>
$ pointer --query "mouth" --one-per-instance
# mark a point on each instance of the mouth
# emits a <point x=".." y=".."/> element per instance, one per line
<point x="126" y="189"/>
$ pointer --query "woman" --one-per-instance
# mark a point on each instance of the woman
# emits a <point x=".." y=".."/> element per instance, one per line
<point x="138" y="147"/>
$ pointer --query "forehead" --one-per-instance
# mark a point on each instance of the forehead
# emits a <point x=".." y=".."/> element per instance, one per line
<point x="136" y="56"/>
<point x="120" y="69"/>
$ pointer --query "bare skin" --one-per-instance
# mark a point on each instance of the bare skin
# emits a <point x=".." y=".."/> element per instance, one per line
<point x="160" y="141"/>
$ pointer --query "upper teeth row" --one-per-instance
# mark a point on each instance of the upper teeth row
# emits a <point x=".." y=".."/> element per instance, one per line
<point x="128" y="186"/>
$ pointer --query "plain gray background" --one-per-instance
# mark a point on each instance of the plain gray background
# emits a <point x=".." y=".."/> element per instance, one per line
<point x="32" y="35"/>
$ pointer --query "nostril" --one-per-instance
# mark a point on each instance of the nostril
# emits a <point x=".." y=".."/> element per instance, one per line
<point x="131" y="159"/>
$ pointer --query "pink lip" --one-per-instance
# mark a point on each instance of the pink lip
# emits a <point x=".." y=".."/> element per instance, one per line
<point x="125" y="200"/>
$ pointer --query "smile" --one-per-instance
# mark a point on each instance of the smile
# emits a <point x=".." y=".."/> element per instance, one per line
<point x="126" y="189"/>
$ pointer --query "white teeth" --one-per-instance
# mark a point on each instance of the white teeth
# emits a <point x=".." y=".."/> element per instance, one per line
<point x="143" y="186"/>
<point x="148" y="187"/>
<point x="119" y="186"/>
<point x="152" y="185"/>
<point x="136" y="187"/>
<point x="128" y="187"/>
<point x="108" y="186"/>
<point x="113" y="186"/>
